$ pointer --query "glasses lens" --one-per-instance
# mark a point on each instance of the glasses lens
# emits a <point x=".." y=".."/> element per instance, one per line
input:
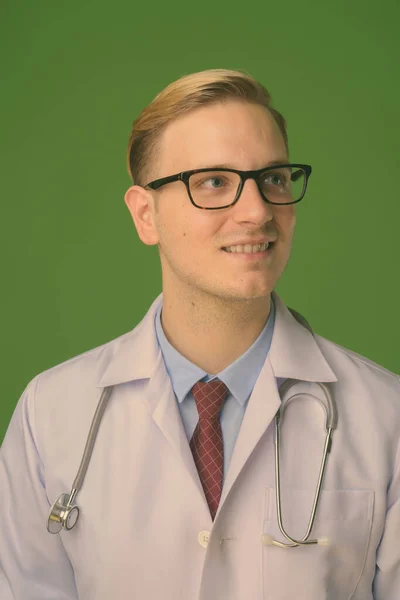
<point x="283" y="185"/>
<point x="214" y="189"/>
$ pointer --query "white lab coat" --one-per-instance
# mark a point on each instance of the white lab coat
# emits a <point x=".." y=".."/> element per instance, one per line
<point x="143" y="511"/>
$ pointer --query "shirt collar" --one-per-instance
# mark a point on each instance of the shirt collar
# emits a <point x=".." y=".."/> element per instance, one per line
<point x="184" y="374"/>
<point x="294" y="352"/>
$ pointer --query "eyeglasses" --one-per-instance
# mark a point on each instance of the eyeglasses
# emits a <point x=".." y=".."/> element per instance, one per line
<point x="211" y="189"/>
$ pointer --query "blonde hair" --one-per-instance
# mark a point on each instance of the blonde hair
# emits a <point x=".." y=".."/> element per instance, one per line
<point x="180" y="97"/>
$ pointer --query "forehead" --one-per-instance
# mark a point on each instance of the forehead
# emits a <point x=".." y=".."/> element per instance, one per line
<point x="241" y="134"/>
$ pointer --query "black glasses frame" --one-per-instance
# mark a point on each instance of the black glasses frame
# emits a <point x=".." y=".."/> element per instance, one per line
<point x="244" y="176"/>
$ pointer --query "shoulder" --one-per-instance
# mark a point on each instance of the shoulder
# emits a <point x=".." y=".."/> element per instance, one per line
<point x="352" y="367"/>
<point x="84" y="367"/>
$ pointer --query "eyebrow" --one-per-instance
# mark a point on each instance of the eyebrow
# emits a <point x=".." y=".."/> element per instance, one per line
<point x="272" y="163"/>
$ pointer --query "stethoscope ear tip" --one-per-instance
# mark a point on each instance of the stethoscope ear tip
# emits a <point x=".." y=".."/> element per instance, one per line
<point x="323" y="541"/>
<point x="266" y="539"/>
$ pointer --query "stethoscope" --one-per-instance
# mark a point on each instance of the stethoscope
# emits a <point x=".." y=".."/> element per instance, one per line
<point x="64" y="514"/>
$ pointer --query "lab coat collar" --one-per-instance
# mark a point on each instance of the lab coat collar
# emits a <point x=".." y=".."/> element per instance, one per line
<point x="294" y="351"/>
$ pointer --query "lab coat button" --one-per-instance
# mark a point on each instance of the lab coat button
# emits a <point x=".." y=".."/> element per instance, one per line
<point x="203" y="538"/>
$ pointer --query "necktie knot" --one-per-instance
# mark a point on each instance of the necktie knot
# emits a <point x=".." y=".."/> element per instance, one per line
<point x="209" y="397"/>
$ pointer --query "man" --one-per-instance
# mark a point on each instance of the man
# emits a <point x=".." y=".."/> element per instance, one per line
<point x="179" y="499"/>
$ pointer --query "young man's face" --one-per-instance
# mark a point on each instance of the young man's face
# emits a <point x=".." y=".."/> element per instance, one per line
<point x="242" y="136"/>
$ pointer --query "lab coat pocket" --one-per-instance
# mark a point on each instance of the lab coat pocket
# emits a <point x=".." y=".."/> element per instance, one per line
<point x="316" y="571"/>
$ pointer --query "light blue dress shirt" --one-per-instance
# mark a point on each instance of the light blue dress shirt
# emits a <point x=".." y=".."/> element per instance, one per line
<point x="240" y="378"/>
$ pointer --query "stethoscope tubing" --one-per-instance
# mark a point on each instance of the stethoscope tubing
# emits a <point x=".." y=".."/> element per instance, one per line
<point x="330" y="424"/>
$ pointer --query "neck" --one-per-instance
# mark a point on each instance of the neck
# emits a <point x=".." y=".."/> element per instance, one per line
<point x="210" y="331"/>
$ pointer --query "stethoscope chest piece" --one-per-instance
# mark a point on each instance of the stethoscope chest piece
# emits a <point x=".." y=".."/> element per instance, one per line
<point x="62" y="515"/>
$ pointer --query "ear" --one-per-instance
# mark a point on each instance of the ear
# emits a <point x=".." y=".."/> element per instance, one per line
<point x="140" y="204"/>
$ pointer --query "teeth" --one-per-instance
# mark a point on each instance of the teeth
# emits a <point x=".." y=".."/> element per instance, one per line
<point x="248" y="248"/>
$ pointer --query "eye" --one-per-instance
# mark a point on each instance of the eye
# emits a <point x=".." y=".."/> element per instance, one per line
<point x="274" y="179"/>
<point x="219" y="181"/>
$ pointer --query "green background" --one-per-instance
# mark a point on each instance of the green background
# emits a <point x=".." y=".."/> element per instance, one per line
<point x="74" y="77"/>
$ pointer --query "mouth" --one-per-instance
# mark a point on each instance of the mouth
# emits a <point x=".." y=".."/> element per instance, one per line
<point x="259" y="255"/>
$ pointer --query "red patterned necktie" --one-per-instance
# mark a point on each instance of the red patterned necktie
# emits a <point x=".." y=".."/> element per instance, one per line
<point x="206" y="444"/>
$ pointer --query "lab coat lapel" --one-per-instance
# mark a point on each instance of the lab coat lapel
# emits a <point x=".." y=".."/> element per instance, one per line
<point x="294" y="354"/>
<point x="161" y="401"/>
<point x="262" y="406"/>
<point x="136" y="355"/>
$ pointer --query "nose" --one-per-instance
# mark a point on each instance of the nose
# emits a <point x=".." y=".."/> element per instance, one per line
<point x="252" y="200"/>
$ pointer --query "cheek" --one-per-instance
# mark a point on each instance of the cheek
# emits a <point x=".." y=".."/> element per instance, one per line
<point x="194" y="231"/>
<point x="286" y="221"/>
<point x="183" y="236"/>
